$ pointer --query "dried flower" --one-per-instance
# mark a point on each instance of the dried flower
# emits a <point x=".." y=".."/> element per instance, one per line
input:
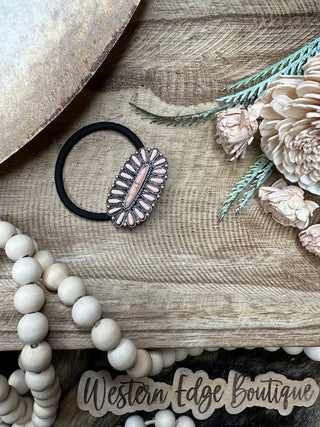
<point x="236" y="128"/>
<point x="286" y="204"/>
<point x="310" y="239"/>
<point x="290" y="130"/>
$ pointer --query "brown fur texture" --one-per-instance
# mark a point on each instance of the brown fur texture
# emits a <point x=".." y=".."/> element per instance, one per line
<point x="71" y="364"/>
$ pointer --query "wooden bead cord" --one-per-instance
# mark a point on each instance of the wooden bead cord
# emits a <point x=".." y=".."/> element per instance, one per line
<point x="36" y="372"/>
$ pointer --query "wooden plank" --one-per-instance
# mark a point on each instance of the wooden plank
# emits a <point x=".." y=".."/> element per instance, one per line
<point x="181" y="278"/>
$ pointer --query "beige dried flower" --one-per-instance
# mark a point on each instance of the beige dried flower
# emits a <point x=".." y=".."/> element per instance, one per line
<point x="310" y="239"/>
<point x="290" y="130"/>
<point x="236" y="128"/>
<point x="286" y="204"/>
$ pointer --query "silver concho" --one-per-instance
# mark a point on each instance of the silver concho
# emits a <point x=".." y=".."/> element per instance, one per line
<point x="137" y="187"/>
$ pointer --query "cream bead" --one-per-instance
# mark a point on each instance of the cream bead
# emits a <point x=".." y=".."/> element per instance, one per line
<point x="26" y="270"/>
<point x="272" y="349"/>
<point x="45" y="258"/>
<point x="210" y="349"/>
<point x="17" y="380"/>
<point x="313" y="353"/>
<point x="143" y="365"/>
<point x="169" y="356"/>
<point x="20" y="363"/>
<point x="106" y="334"/>
<point x="36" y="357"/>
<point x="10" y="403"/>
<point x="134" y="421"/>
<point x="43" y="422"/>
<point x="19" y="246"/>
<point x="124" y="356"/>
<point x="185" y="421"/>
<point x="293" y="350"/>
<point x="7" y="230"/>
<point x="157" y="362"/>
<point x="42" y="380"/>
<point x="27" y="414"/>
<point x="86" y="311"/>
<point x="18" y="231"/>
<point x="29" y="299"/>
<point x="54" y="274"/>
<point x="51" y="401"/>
<point x="44" y="412"/>
<point x="17" y="413"/>
<point x="71" y="289"/>
<point x="33" y="328"/>
<point x="165" y="418"/>
<point x="195" y="351"/>
<point x="181" y="354"/>
<point x="36" y="245"/>
<point x="4" y="388"/>
<point x="48" y="393"/>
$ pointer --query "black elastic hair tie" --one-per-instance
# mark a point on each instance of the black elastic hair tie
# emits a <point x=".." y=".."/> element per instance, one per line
<point x="71" y="142"/>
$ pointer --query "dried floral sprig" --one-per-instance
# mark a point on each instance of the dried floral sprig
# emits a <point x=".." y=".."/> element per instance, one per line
<point x="291" y="65"/>
<point x="257" y="173"/>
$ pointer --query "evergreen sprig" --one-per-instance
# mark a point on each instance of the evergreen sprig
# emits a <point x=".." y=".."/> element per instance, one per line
<point x="257" y="173"/>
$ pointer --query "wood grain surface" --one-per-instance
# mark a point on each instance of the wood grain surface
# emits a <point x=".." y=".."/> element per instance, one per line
<point x="181" y="278"/>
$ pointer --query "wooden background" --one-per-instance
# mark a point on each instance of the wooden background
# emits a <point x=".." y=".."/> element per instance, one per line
<point x="181" y="278"/>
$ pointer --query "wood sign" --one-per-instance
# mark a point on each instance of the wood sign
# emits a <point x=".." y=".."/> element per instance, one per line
<point x="98" y="393"/>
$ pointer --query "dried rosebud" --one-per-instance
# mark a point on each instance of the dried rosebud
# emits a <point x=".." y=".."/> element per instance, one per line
<point x="286" y="204"/>
<point x="310" y="239"/>
<point x="236" y="127"/>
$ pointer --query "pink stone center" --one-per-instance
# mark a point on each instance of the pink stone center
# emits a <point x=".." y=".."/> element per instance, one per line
<point x="138" y="182"/>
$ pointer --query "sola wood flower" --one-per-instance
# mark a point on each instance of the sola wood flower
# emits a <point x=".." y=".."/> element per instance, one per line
<point x="286" y="204"/>
<point x="236" y="128"/>
<point x="290" y="130"/>
<point x="310" y="239"/>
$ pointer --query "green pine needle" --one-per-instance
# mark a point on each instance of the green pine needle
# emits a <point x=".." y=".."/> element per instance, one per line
<point x="180" y="120"/>
<point x="253" y="173"/>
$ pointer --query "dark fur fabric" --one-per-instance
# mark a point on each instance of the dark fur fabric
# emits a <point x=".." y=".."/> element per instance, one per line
<point x="71" y="364"/>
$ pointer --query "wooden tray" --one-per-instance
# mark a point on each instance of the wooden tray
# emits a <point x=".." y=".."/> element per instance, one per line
<point x="49" y="50"/>
<point x="181" y="278"/>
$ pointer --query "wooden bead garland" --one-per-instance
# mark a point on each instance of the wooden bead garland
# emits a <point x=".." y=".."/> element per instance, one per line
<point x="86" y="312"/>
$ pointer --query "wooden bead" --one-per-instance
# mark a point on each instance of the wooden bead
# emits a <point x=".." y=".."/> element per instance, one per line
<point x="272" y="348"/>
<point x="17" y="380"/>
<point x="54" y="274"/>
<point x="49" y="392"/>
<point x="185" y="421"/>
<point x="143" y="365"/>
<point x="313" y="353"/>
<point x="17" y="413"/>
<point x="43" y="422"/>
<point x="210" y="349"/>
<point x="134" y="421"/>
<point x="4" y="388"/>
<point x="195" y="351"/>
<point x="293" y="350"/>
<point x="18" y="231"/>
<point x="165" y="418"/>
<point x="157" y="362"/>
<point x="86" y="311"/>
<point x="106" y="334"/>
<point x="124" y="356"/>
<point x="39" y="381"/>
<point x="51" y="401"/>
<point x="45" y="258"/>
<point x="181" y="354"/>
<point x="169" y="356"/>
<point x="29" y="299"/>
<point x="71" y="289"/>
<point x="33" y="328"/>
<point x="26" y="270"/>
<point x="36" y="245"/>
<point x="27" y="414"/>
<point x="45" y="412"/>
<point x="7" y="230"/>
<point x="19" y="246"/>
<point x="36" y="357"/>
<point x="10" y="403"/>
<point x="20" y="363"/>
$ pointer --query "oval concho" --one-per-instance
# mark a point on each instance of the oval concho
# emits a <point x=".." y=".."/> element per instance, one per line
<point x="137" y="187"/>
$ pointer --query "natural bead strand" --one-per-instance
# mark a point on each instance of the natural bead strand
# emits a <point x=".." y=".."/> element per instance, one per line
<point x="163" y="418"/>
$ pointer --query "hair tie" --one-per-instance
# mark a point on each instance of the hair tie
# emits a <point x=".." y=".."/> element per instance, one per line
<point x="135" y="189"/>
